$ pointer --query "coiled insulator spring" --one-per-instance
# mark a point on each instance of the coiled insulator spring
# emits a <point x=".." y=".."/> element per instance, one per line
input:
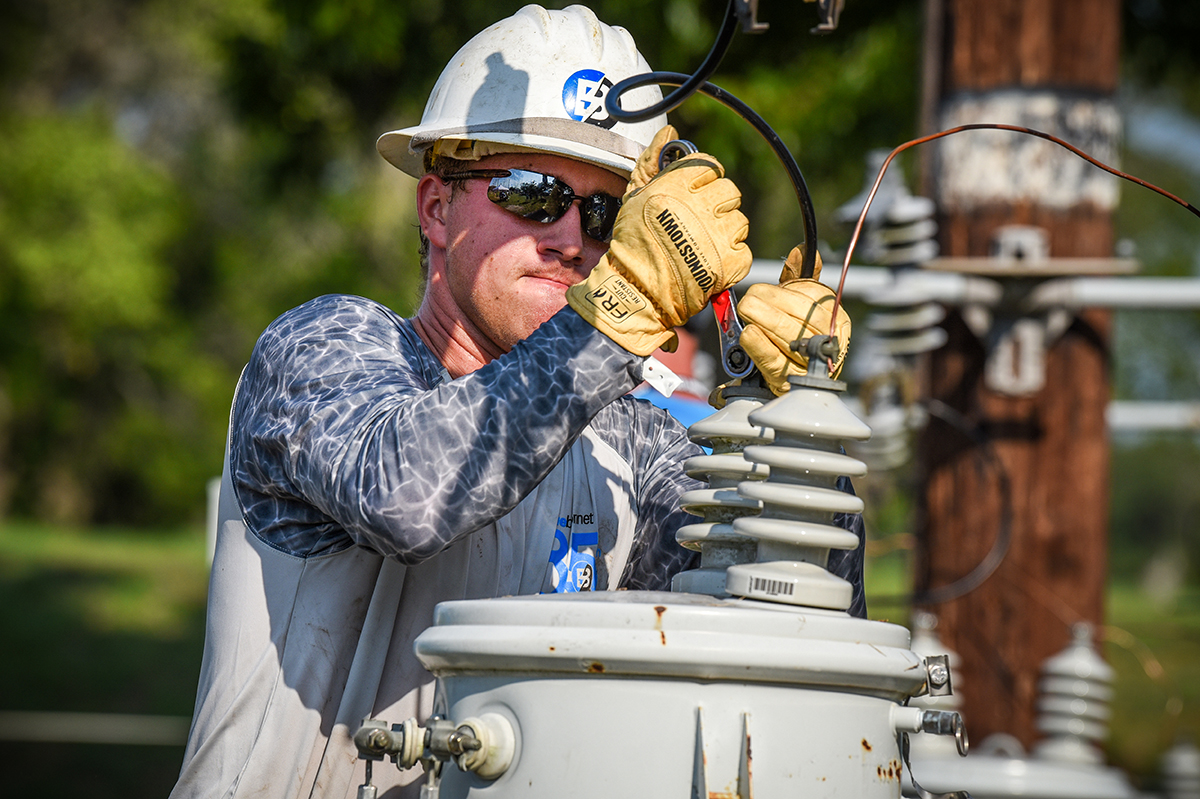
<point x="727" y="432"/>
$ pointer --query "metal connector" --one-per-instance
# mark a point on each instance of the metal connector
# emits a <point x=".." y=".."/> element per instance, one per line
<point x="483" y="745"/>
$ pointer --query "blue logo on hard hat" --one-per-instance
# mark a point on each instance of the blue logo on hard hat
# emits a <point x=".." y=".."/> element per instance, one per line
<point x="583" y="97"/>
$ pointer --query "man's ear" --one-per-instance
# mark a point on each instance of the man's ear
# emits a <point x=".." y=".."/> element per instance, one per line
<point x="433" y="197"/>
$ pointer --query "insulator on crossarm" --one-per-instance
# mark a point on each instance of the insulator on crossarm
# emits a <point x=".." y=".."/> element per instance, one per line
<point x="908" y="234"/>
<point x="1073" y="709"/>
<point x="726" y="432"/>
<point x="904" y="321"/>
<point x="800" y="499"/>
<point x="1181" y="770"/>
<point x="905" y="326"/>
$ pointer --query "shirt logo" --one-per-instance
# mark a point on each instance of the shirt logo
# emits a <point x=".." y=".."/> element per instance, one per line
<point x="573" y="555"/>
<point x="583" y="98"/>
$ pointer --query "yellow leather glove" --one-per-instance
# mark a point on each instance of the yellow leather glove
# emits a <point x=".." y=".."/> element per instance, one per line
<point x="775" y="316"/>
<point x="678" y="240"/>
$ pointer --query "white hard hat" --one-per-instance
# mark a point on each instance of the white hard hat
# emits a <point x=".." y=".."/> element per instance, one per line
<point x="533" y="82"/>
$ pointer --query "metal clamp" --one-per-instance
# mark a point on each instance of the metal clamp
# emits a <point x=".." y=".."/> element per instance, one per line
<point x="403" y="743"/>
<point x="906" y="720"/>
<point x="819" y="350"/>
<point x="937" y="675"/>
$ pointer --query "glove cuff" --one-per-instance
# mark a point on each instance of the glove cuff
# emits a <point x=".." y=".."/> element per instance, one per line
<point x="616" y="308"/>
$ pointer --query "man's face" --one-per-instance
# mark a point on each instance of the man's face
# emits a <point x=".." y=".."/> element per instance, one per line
<point x="508" y="275"/>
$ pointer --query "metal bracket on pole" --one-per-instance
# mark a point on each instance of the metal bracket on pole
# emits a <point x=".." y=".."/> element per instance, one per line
<point x="1016" y="330"/>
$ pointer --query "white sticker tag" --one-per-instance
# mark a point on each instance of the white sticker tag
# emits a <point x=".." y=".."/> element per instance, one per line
<point x="660" y="378"/>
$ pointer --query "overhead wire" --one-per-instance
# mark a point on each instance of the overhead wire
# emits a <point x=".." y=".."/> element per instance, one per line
<point x="691" y="84"/>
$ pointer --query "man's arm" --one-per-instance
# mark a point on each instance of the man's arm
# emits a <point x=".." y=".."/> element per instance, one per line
<point x="848" y="563"/>
<point x="340" y="428"/>
<point x="656" y="446"/>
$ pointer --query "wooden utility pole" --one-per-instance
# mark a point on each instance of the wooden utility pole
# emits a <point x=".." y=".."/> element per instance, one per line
<point x="1041" y="457"/>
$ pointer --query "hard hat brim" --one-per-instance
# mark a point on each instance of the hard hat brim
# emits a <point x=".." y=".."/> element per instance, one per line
<point x="586" y="143"/>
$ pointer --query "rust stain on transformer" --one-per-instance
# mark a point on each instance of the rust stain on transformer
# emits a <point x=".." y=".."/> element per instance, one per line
<point x="890" y="772"/>
<point x="595" y="667"/>
<point x="866" y="745"/>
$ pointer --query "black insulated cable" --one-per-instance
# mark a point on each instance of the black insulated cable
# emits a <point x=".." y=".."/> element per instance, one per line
<point x="687" y="88"/>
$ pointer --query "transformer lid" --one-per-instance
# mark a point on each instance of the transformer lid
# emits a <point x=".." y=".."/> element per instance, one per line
<point x="671" y="635"/>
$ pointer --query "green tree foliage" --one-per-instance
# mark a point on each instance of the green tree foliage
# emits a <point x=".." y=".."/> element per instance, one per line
<point x="173" y="175"/>
<point x="1160" y="46"/>
<point x="94" y="395"/>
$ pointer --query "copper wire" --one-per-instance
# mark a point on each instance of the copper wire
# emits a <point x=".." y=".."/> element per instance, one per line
<point x="837" y="301"/>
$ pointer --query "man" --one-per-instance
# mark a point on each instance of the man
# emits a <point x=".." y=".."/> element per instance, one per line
<point x="379" y="465"/>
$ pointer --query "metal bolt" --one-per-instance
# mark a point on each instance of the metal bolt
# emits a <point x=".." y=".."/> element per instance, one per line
<point x="462" y="740"/>
<point x="939" y="675"/>
<point x="374" y="741"/>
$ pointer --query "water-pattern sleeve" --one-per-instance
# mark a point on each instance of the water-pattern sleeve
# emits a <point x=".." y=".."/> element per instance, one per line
<point x="848" y="563"/>
<point x="341" y="433"/>
<point x="656" y="446"/>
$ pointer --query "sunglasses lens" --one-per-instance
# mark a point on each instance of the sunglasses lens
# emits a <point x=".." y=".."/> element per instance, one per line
<point x="545" y="198"/>
<point x="599" y="213"/>
<point x="529" y="195"/>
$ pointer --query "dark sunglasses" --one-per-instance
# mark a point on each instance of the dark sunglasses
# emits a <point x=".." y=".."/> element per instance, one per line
<point x="545" y="199"/>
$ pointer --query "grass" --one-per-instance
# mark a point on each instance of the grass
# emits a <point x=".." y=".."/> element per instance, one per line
<point x="113" y="621"/>
<point x="1155" y="649"/>
<point x="98" y="621"/>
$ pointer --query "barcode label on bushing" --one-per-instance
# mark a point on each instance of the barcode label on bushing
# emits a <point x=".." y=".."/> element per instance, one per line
<point x="772" y="587"/>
